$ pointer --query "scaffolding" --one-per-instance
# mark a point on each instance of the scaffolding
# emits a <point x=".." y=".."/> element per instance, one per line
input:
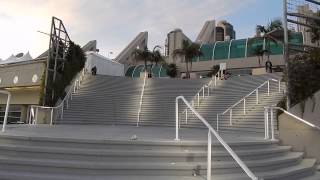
<point x="58" y="47"/>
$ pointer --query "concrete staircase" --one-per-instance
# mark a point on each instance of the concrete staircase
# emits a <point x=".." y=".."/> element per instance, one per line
<point x="42" y="158"/>
<point x="104" y="100"/>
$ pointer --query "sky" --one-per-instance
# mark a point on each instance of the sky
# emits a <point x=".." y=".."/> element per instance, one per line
<point x="114" y="23"/>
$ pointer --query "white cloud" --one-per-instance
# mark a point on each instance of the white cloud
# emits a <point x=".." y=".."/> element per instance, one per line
<point x="114" y="23"/>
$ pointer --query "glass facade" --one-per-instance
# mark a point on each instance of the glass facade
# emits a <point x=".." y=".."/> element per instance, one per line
<point x="221" y="50"/>
<point x="238" y="48"/>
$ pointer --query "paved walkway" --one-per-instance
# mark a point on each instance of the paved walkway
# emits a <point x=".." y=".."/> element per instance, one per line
<point x="98" y="132"/>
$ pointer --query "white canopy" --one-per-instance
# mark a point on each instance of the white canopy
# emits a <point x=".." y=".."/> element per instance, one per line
<point x="14" y="59"/>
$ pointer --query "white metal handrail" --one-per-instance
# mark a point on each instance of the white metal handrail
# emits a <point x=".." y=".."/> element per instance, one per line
<point x="141" y="98"/>
<point x="5" y="119"/>
<point x="219" y="138"/>
<point x="200" y="95"/>
<point x="271" y="110"/>
<point x="244" y="101"/>
<point x="33" y="116"/>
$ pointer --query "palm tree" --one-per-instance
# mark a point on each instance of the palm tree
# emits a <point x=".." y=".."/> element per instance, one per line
<point x="143" y="55"/>
<point x="188" y="52"/>
<point x="265" y="33"/>
<point x="172" y="70"/>
<point x="156" y="55"/>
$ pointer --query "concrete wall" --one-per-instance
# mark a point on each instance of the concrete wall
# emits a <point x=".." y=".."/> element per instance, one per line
<point x="23" y="96"/>
<point x="310" y="114"/>
<point x="237" y="63"/>
<point x="104" y="66"/>
<point x="300" y="136"/>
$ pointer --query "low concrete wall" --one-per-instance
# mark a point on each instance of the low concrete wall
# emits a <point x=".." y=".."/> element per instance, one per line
<point x="300" y="136"/>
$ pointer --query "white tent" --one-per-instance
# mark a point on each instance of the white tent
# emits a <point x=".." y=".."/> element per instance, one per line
<point x="104" y="65"/>
<point x="14" y="59"/>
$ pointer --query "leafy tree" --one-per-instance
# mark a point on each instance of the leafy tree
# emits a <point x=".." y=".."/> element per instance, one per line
<point x="75" y="61"/>
<point x="157" y="56"/>
<point x="304" y="76"/>
<point x="172" y="70"/>
<point x="188" y="52"/>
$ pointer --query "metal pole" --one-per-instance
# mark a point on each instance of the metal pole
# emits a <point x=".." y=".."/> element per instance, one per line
<point x="203" y="92"/>
<point x="286" y="48"/>
<point x="36" y="119"/>
<point x="265" y="123"/>
<point x="6" y="113"/>
<point x="186" y="116"/>
<point x="272" y="124"/>
<point x="198" y="99"/>
<point x="279" y="85"/>
<point x="51" y="117"/>
<point x="208" y="91"/>
<point x="209" y="156"/>
<point x="231" y="117"/>
<point x="177" y="120"/>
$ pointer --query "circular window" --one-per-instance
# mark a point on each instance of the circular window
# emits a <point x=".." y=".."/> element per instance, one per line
<point x="15" y="80"/>
<point x="35" y="78"/>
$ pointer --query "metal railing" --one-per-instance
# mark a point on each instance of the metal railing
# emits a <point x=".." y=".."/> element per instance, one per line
<point x="5" y="119"/>
<point x="269" y="111"/>
<point x="243" y="101"/>
<point x="57" y="111"/>
<point x="210" y="132"/>
<point x="141" y="97"/>
<point x="202" y="93"/>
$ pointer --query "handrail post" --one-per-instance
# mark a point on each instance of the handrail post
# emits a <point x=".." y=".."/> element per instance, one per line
<point x="62" y="111"/>
<point x="272" y="124"/>
<point x="257" y="96"/>
<point x="215" y="80"/>
<point x="230" y="117"/>
<point x="203" y="92"/>
<point x="268" y="87"/>
<point x="186" y="116"/>
<point x="177" y="120"/>
<point x="51" y="117"/>
<point x="208" y="91"/>
<point x="279" y="85"/>
<point x="209" y="156"/>
<point x="36" y="116"/>
<point x="6" y="112"/>
<point x="217" y="122"/>
<point x="265" y="123"/>
<point x="198" y="99"/>
<point x="244" y="106"/>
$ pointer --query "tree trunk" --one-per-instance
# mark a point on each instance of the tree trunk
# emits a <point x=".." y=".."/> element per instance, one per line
<point x="187" y="69"/>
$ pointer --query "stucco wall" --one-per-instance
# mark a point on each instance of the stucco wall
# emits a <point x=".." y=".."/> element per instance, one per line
<point x="22" y="97"/>
<point x="27" y="74"/>
<point x="300" y="136"/>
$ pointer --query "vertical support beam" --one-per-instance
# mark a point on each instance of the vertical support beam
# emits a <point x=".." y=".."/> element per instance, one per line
<point x="177" y="120"/>
<point x="198" y="99"/>
<point x="265" y="124"/>
<point x="203" y="92"/>
<point x="62" y="110"/>
<point x="279" y="85"/>
<point x="36" y="116"/>
<point x="209" y="156"/>
<point x="286" y="49"/>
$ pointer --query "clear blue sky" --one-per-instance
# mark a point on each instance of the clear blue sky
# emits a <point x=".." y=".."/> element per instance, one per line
<point x="114" y="23"/>
<point x="260" y="12"/>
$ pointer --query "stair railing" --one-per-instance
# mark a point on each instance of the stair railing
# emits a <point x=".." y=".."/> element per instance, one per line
<point x="243" y="101"/>
<point x="270" y="126"/>
<point x="203" y="93"/>
<point x="210" y="132"/>
<point x="58" y="110"/>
